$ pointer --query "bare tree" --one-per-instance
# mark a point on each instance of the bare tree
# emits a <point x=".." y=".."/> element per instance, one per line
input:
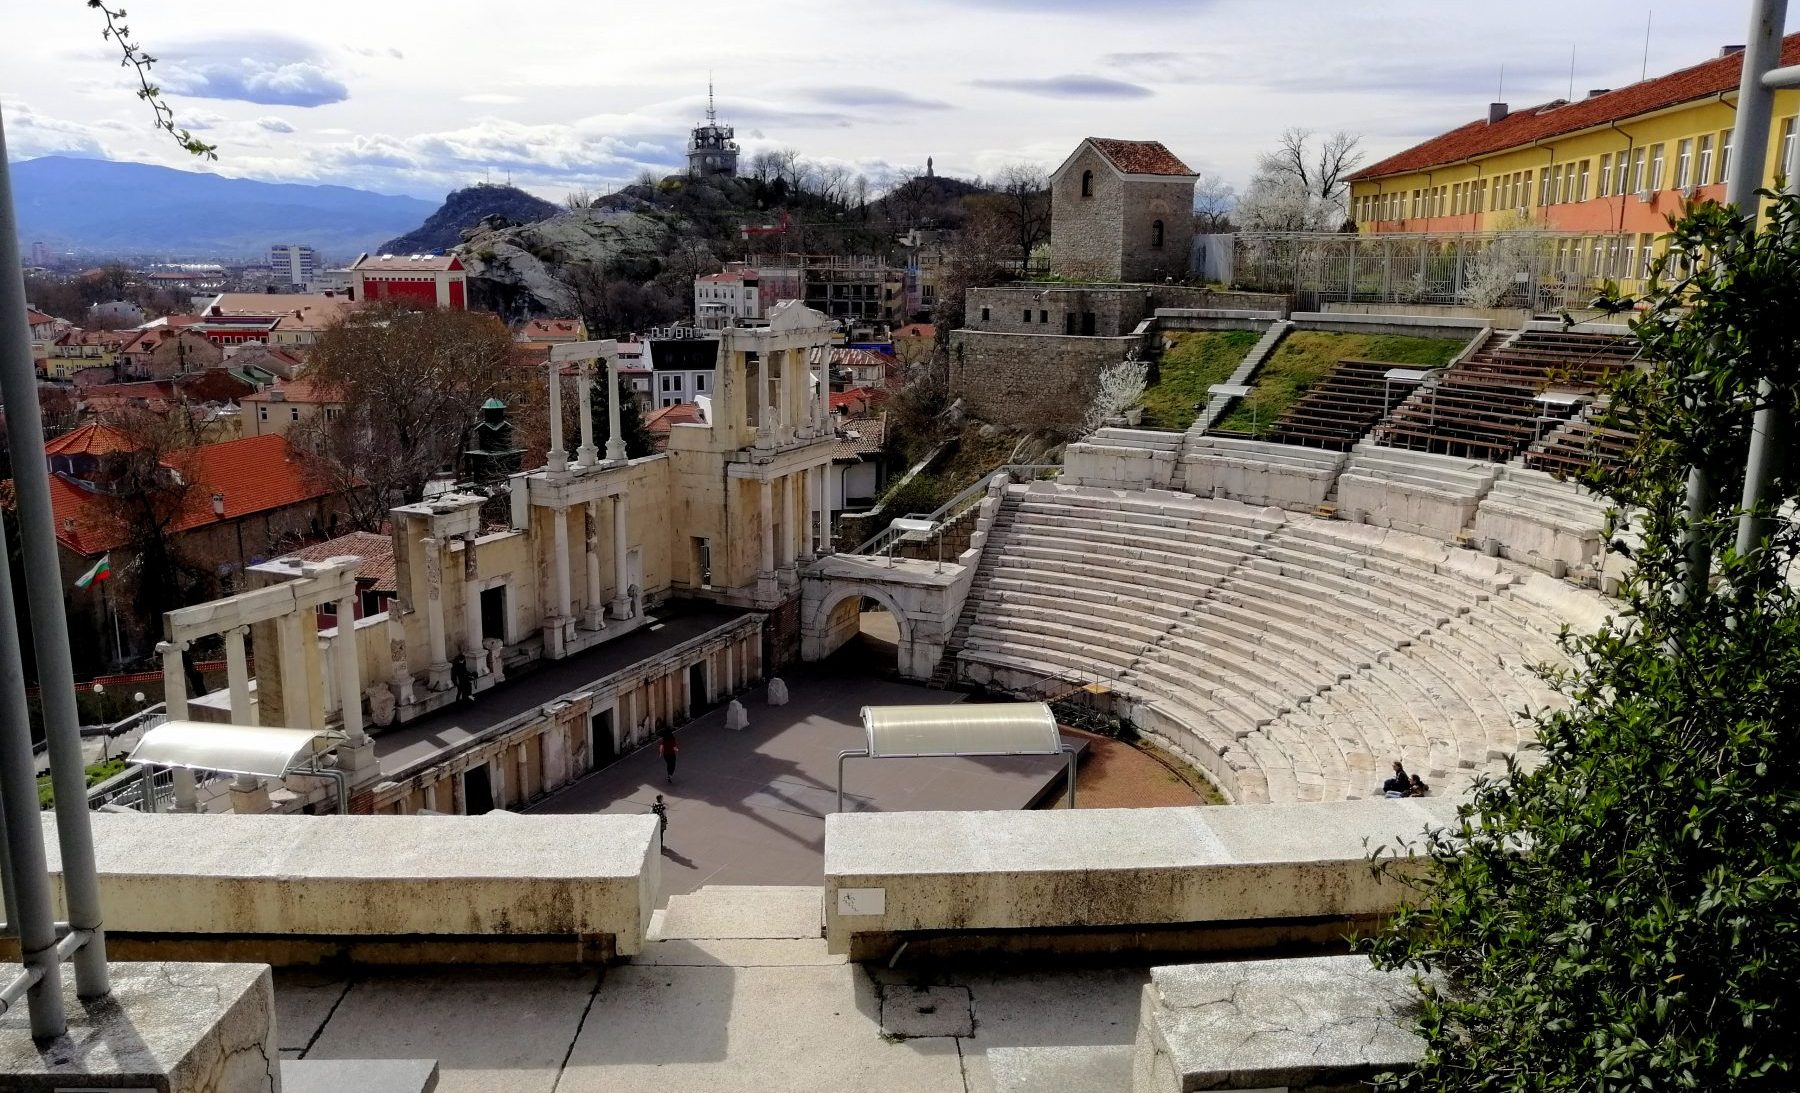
<point x="1214" y="200"/>
<point x="973" y="258"/>
<point x="411" y="382"/>
<point x="1322" y="166"/>
<point x="1026" y="208"/>
<point x="613" y="305"/>
<point x="1118" y="389"/>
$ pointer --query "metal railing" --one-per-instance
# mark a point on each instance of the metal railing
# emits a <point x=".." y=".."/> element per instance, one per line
<point x="948" y="512"/>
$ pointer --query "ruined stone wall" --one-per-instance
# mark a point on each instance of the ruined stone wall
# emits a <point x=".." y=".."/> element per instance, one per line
<point x="1028" y="381"/>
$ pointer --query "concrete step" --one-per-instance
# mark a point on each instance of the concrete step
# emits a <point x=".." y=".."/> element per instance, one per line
<point x="1103" y="1068"/>
<point x="360" y="1075"/>
<point x="737" y="952"/>
<point x="742" y="911"/>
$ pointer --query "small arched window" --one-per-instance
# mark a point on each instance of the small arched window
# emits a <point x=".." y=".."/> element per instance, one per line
<point x="1156" y="233"/>
<point x="1087" y="184"/>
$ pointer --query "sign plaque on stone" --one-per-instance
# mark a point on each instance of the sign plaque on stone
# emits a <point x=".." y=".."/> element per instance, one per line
<point x="862" y="901"/>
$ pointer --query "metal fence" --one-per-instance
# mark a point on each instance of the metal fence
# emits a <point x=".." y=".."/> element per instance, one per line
<point x="1540" y="271"/>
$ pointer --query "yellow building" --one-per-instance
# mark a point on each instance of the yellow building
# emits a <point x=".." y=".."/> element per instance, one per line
<point x="1609" y="170"/>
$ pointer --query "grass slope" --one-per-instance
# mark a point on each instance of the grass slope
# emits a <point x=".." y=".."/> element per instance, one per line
<point x="1194" y="362"/>
<point x="1305" y="357"/>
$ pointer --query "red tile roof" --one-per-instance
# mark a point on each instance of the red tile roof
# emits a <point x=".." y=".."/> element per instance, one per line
<point x="549" y="329"/>
<point x="92" y="439"/>
<point x="682" y="413"/>
<point x="34" y="317"/>
<point x="376" y="552"/>
<point x="917" y="330"/>
<point x="1140" y="157"/>
<point x="1479" y="138"/>
<point x="301" y="390"/>
<point x="869" y="433"/>
<point x="255" y="474"/>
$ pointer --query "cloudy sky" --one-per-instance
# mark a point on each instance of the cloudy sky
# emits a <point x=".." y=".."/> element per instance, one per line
<point x="405" y="96"/>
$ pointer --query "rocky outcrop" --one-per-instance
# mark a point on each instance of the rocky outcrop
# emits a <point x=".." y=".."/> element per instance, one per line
<point x="464" y="209"/>
<point x="513" y="267"/>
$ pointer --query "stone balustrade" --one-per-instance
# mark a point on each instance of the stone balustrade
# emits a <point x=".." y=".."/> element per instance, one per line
<point x="379" y="889"/>
<point x="1112" y="880"/>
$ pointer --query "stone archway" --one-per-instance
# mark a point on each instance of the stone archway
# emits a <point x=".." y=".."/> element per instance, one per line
<point x="836" y="618"/>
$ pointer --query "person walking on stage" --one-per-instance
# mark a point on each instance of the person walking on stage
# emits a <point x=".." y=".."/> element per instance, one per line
<point x="662" y="816"/>
<point x="670" y="750"/>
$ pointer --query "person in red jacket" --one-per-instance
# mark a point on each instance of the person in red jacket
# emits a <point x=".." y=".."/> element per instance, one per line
<point x="670" y="750"/>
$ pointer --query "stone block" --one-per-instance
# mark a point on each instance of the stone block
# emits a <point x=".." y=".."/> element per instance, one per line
<point x="368" y="878"/>
<point x="1078" y="870"/>
<point x="1310" y="1025"/>
<point x="359" y="1075"/>
<point x="172" y="1028"/>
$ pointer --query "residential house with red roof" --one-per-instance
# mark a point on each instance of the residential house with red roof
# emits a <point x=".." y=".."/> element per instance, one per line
<point x="1121" y="210"/>
<point x="1608" y="169"/>
<point x="286" y="403"/>
<point x="240" y="502"/>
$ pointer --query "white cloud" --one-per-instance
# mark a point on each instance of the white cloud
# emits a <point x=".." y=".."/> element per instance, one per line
<point x="30" y="135"/>
<point x="488" y="99"/>
<point x="270" y="69"/>
<point x="274" y="125"/>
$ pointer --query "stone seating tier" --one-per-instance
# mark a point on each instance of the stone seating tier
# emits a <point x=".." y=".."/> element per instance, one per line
<point x="1289" y="657"/>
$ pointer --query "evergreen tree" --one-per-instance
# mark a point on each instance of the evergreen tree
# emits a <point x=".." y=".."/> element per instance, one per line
<point x="638" y="442"/>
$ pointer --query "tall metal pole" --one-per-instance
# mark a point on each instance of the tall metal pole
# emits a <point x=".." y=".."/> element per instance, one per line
<point x="49" y="626"/>
<point x="28" y="871"/>
<point x="1756" y="103"/>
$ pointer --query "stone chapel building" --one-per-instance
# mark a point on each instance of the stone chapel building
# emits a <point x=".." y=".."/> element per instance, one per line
<point x="1121" y="210"/>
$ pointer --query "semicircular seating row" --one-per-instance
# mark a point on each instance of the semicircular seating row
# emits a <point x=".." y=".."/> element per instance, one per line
<point x="1292" y="657"/>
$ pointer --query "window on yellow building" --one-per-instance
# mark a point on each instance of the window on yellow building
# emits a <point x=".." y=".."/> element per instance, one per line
<point x="1646" y="251"/>
<point x="1630" y="263"/>
<point x="1724" y="155"/>
<point x="1581" y="183"/>
<point x="1684" y="163"/>
<point x="1703" y="162"/>
<point x="1543" y="186"/>
<point x="1606" y="174"/>
<point x="1622" y="174"/>
<point x="1640" y="159"/>
<point x="1785" y="166"/>
<point x="1655" y="181"/>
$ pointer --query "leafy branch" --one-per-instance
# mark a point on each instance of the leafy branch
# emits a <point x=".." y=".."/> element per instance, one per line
<point x="134" y="57"/>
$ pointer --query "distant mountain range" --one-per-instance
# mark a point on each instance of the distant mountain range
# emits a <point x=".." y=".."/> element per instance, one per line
<point x="101" y="206"/>
<point x="465" y="208"/>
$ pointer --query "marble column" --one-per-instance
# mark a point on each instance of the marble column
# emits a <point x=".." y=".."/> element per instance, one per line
<point x="765" y="426"/>
<point x="295" y="687"/>
<point x="558" y="621"/>
<point x="175" y="708"/>
<point x="783" y="395"/>
<point x="622" y="604"/>
<point x="615" y="437"/>
<point x="593" y="612"/>
<point x="730" y="669"/>
<point x="788" y="508"/>
<point x="474" y="656"/>
<point x="586" y="455"/>
<point x="766" y="521"/>
<point x="349" y="672"/>
<point x="822" y="408"/>
<point x="558" y="460"/>
<point x="439" y="677"/>
<point x="237" y="674"/>
<point x="809" y="512"/>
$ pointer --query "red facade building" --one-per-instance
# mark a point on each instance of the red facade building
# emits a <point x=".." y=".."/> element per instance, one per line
<point x="426" y="280"/>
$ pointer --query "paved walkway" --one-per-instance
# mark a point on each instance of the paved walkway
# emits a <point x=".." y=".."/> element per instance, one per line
<point x="749" y="807"/>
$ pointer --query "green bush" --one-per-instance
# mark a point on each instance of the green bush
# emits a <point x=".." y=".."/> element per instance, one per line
<point x="1626" y="914"/>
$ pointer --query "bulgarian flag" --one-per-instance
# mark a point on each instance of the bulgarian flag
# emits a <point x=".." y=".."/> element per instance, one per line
<point x="102" y="570"/>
